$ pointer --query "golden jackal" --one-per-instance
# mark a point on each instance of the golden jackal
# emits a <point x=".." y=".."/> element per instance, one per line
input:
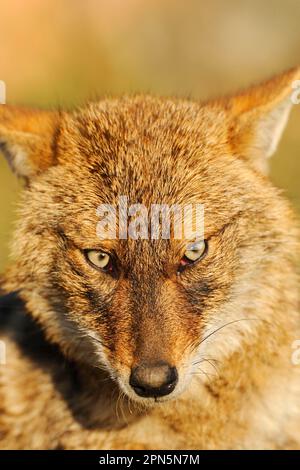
<point x="136" y="343"/>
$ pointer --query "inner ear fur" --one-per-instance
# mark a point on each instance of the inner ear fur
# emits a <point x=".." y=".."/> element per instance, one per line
<point x="258" y="116"/>
<point x="27" y="138"/>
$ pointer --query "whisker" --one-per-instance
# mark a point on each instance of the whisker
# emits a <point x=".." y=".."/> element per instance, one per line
<point x="210" y="362"/>
<point x="227" y="324"/>
<point x="203" y="373"/>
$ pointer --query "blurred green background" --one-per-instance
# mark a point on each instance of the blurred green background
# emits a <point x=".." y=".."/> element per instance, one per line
<point x="61" y="52"/>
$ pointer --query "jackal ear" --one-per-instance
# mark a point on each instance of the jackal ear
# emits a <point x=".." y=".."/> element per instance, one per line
<point x="27" y="139"/>
<point x="259" y="115"/>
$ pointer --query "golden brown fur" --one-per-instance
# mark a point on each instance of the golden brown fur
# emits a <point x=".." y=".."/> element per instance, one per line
<point x="73" y="334"/>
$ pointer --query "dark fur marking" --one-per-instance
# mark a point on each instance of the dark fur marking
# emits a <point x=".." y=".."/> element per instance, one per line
<point x="33" y="344"/>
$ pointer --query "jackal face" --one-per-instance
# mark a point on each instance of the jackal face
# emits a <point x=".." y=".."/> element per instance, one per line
<point x="149" y="311"/>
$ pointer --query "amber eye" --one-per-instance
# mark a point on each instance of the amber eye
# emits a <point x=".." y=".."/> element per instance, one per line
<point x="195" y="252"/>
<point x="99" y="259"/>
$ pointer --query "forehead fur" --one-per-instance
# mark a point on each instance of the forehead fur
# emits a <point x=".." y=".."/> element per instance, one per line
<point x="152" y="150"/>
<point x="127" y="138"/>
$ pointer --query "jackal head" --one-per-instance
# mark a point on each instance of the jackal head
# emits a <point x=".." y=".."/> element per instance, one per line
<point x="150" y="311"/>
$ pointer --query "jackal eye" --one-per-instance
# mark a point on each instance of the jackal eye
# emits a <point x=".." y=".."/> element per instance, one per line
<point x="195" y="252"/>
<point x="99" y="259"/>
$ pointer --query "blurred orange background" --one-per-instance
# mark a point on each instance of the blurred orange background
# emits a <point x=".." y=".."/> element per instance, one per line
<point x="61" y="52"/>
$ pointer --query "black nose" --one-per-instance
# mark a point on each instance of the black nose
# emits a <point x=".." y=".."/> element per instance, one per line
<point x="155" y="380"/>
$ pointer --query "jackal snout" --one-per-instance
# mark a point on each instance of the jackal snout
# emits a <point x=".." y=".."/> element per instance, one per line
<point x="153" y="380"/>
